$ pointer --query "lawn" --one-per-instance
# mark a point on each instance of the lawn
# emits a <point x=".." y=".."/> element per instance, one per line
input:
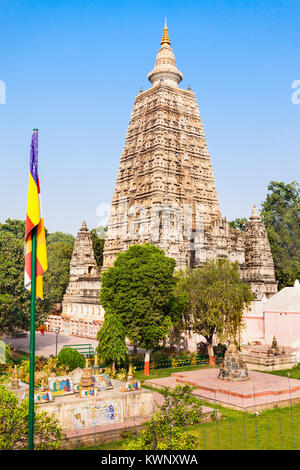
<point x="159" y="373"/>
<point x="293" y="373"/>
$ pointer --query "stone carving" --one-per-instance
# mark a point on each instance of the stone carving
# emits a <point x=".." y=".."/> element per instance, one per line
<point x="165" y="191"/>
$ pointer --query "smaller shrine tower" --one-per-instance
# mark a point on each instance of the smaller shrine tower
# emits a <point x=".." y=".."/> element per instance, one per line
<point x="82" y="314"/>
<point x="259" y="265"/>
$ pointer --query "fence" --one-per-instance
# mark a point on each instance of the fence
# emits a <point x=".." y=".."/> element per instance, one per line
<point x="85" y="349"/>
<point x="177" y="362"/>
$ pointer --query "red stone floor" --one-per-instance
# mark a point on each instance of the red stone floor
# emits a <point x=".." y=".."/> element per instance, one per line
<point x="259" y="392"/>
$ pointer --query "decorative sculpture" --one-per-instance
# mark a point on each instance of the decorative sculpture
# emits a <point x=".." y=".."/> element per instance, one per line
<point x="274" y="343"/>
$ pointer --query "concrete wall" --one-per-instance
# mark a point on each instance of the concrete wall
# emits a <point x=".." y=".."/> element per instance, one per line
<point x="77" y="413"/>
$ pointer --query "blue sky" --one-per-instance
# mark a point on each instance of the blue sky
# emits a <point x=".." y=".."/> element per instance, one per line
<point x="73" y="69"/>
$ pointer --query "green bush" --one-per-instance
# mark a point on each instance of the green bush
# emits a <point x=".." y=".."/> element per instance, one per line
<point x="220" y="349"/>
<point x="14" y="425"/>
<point x="71" y="358"/>
<point x="8" y="354"/>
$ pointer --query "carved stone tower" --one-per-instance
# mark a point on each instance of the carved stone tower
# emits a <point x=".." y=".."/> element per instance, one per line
<point x="165" y="191"/>
<point x="259" y="266"/>
<point x="82" y="314"/>
<point x="165" y="179"/>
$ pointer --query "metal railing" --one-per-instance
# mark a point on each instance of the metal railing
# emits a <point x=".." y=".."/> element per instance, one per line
<point x="171" y="363"/>
<point x="85" y="349"/>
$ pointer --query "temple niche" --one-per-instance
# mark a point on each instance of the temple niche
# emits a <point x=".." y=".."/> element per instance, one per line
<point x="165" y="192"/>
<point x="81" y="314"/>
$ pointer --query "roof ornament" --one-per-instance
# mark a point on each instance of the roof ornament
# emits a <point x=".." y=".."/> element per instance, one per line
<point x="165" y="36"/>
<point x="254" y="215"/>
<point x="165" y="65"/>
<point x="83" y="227"/>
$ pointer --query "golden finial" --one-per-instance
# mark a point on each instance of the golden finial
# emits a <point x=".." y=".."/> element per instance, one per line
<point x="86" y="362"/>
<point x="130" y="373"/>
<point x="96" y="360"/>
<point x="165" y="37"/>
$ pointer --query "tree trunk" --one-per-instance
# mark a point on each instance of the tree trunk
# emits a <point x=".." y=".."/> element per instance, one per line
<point x="211" y="356"/>
<point x="113" y="369"/>
<point x="147" y="362"/>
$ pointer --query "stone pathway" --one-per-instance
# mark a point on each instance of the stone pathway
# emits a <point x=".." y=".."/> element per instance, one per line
<point x="46" y="344"/>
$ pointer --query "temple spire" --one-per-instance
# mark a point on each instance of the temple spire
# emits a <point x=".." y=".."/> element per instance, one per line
<point x="165" y="36"/>
<point x="165" y="70"/>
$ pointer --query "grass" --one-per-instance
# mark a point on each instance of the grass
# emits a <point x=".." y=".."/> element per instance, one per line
<point x="293" y="373"/>
<point x="160" y="373"/>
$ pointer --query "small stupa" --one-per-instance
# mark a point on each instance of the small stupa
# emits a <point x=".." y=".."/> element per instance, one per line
<point x="86" y="380"/>
<point x="233" y="367"/>
<point x="14" y="381"/>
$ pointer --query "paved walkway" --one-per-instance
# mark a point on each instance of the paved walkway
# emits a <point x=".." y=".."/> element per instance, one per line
<point x="46" y="344"/>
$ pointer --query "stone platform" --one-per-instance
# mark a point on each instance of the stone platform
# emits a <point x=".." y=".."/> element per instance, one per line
<point x="109" y="432"/>
<point x="261" y="391"/>
<point x="257" y="358"/>
<point x="106" y="408"/>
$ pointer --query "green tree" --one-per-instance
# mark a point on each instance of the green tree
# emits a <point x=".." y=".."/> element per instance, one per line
<point x="138" y="288"/>
<point x="57" y="276"/>
<point x="14" y="425"/>
<point x="98" y="237"/>
<point x="57" y="237"/>
<point x="14" y="299"/>
<point x="281" y="216"/>
<point x="216" y="298"/>
<point x="239" y="224"/>
<point x="112" y="348"/>
<point x="14" y="226"/>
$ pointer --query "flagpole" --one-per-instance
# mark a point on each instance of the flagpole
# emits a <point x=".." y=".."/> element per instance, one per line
<point x="32" y="341"/>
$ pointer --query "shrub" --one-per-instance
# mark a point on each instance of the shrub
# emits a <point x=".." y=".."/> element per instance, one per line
<point x="71" y="358"/>
<point x="14" y="425"/>
<point x="8" y="354"/>
<point x="220" y="349"/>
<point x="202" y="348"/>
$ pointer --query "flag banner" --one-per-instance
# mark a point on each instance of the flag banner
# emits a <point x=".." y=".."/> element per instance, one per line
<point x="34" y="218"/>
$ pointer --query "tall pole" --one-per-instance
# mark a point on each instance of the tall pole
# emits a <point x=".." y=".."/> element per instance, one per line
<point x="32" y="341"/>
